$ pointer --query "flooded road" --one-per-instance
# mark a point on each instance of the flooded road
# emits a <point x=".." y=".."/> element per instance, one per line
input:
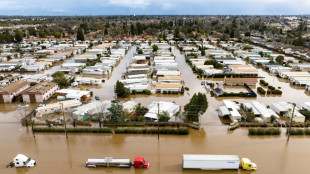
<point x="56" y="154"/>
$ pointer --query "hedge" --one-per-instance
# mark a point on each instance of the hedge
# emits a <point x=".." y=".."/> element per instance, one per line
<point x="74" y="130"/>
<point x="261" y="90"/>
<point x="232" y="94"/>
<point x="125" y="124"/>
<point x="299" y="131"/>
<point x="265" y="131"/>
<point x="263" y="82"/>
<point x="180" y="131"/>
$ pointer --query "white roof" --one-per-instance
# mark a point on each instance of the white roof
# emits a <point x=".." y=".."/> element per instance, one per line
<point x="170" y="107"/>
<point x="104" y="161"/>
<point x="21" y="157"/>
<point x="224" y="110"/>
<point x="249" y="105"/>
<point x="265" y="112"/>
<point x="280" y="107"/>
<point x="193" y="157"/>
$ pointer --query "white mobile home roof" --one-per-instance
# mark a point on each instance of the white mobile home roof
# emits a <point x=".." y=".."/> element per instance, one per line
<point x="249" y="105"/>
<point x="265" y="112"/>
<point x="224" y="110"/>
<point x="194" y="157"/>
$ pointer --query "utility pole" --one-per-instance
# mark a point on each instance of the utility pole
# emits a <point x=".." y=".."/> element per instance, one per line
<point x="32" y="122"/>
<point x="289" y="129"/>
<point x="63" y="114"/>
<point x="158" y="121"/>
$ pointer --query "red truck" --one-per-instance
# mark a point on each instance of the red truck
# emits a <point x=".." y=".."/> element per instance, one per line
<point x="139" y="162"/>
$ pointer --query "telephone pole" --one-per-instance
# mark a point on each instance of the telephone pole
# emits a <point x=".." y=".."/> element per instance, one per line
<point x="289" y="129"/>
<point x="63" y="114"/>
<point x="158" y="121"/>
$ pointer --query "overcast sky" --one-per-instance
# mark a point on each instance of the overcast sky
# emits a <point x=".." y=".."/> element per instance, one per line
<point x="154" y="7"/>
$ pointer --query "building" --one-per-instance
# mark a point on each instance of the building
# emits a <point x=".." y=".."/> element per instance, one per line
<point x="159" y="107"/>
<point x="240" y="81"/>
<point x="40" y="92"/>
<point x="164" y="73"/>
<point x="173" y="79"/>
<point x="168" y="87"/>
<point x="73" y="94"/>
<point x="246" y="72"/>
<point x="265" y="113"/>
<point x="56" y="107"/>
<point x="129" y="106"/>
<point x="287" y="75"/>
<point x="286" y="109"/>
<point x="10" y="92"/>
<point x="90" y="109"/>
<point x="233" y="108"/>
<point x="87" y="81"/>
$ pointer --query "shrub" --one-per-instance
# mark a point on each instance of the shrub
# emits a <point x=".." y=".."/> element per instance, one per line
<point x="261" y="90"/>
<point x="264" y="131"/>
<point x="74" y="130"/>
<point x="263" y="82"/>
<point x="147" y="92"/>
<point x="180" y="131"/>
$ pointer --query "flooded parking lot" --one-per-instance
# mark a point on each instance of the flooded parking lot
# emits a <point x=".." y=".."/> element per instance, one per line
<point x="56" y="154"/>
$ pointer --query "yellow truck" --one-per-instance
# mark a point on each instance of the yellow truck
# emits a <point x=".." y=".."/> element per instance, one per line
<point x="246" y="164"/>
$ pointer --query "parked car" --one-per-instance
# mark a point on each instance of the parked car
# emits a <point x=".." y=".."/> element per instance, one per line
<point x="97" y="97"/>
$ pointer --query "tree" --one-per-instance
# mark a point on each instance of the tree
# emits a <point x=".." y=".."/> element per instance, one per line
<point x="18" y="36"/>
<point x="120" y="90"/>
<point x="203" y="52"/>
<point x="141" y="110"/>
<point x="197" y="105"/>
<point x="155" y="48"/>
<point x="57" y="34"/>
<point x="116" y="113"/>
<point x="273" y="118"/>
<point x="106" y="31"/>
<point x="60" y="78"/>
<point x="32" y="31"/>
<point x="164" y="116"/>
<point x="280" y="59"/>
<point x="80" y="34"/>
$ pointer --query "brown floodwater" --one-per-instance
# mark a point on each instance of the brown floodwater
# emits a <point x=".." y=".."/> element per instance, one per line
<point x="56" y="154"/>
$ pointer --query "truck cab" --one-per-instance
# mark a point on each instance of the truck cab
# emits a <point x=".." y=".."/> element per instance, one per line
<point x="140" y="162"/>
<point x="246" y="164"/>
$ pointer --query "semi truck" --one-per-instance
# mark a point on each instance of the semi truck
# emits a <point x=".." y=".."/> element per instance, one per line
<point x="139" y="162"/>
<point x="23" y="161"/>
<point x="216" y="162"/>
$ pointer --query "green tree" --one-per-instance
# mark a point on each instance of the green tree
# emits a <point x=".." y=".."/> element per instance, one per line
<point x="32" y="31"/>
<point x="120" y="90"/>
<point x="106" y="31"/>
<point x="273" y="118"/>
<point x="197" y="105"/>
<point x="203" y="51"/>
<point x="155" y="48"/>
<point x="60" y="78"/>
<point x="141" y="110"/>
<point x="57" y="34"/>
<point x="80" y="34"/>
<point x="116" y="113"/>
<point x="18" y="36"/>
<point x="280" y="59"/>
<point x="164" y="116"/>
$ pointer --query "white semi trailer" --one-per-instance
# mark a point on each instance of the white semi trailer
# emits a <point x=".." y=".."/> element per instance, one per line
<point x="210" y="162"/>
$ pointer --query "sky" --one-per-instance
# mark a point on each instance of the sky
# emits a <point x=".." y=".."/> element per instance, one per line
<point x="154" y="7"/>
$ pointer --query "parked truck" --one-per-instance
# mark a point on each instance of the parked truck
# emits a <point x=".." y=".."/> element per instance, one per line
<point x="216" y="162"/>
<point x="139" y="162"/>
<point x="23" y="161"/>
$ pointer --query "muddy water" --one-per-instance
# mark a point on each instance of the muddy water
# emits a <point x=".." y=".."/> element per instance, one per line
<point x="55" y="154"/>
